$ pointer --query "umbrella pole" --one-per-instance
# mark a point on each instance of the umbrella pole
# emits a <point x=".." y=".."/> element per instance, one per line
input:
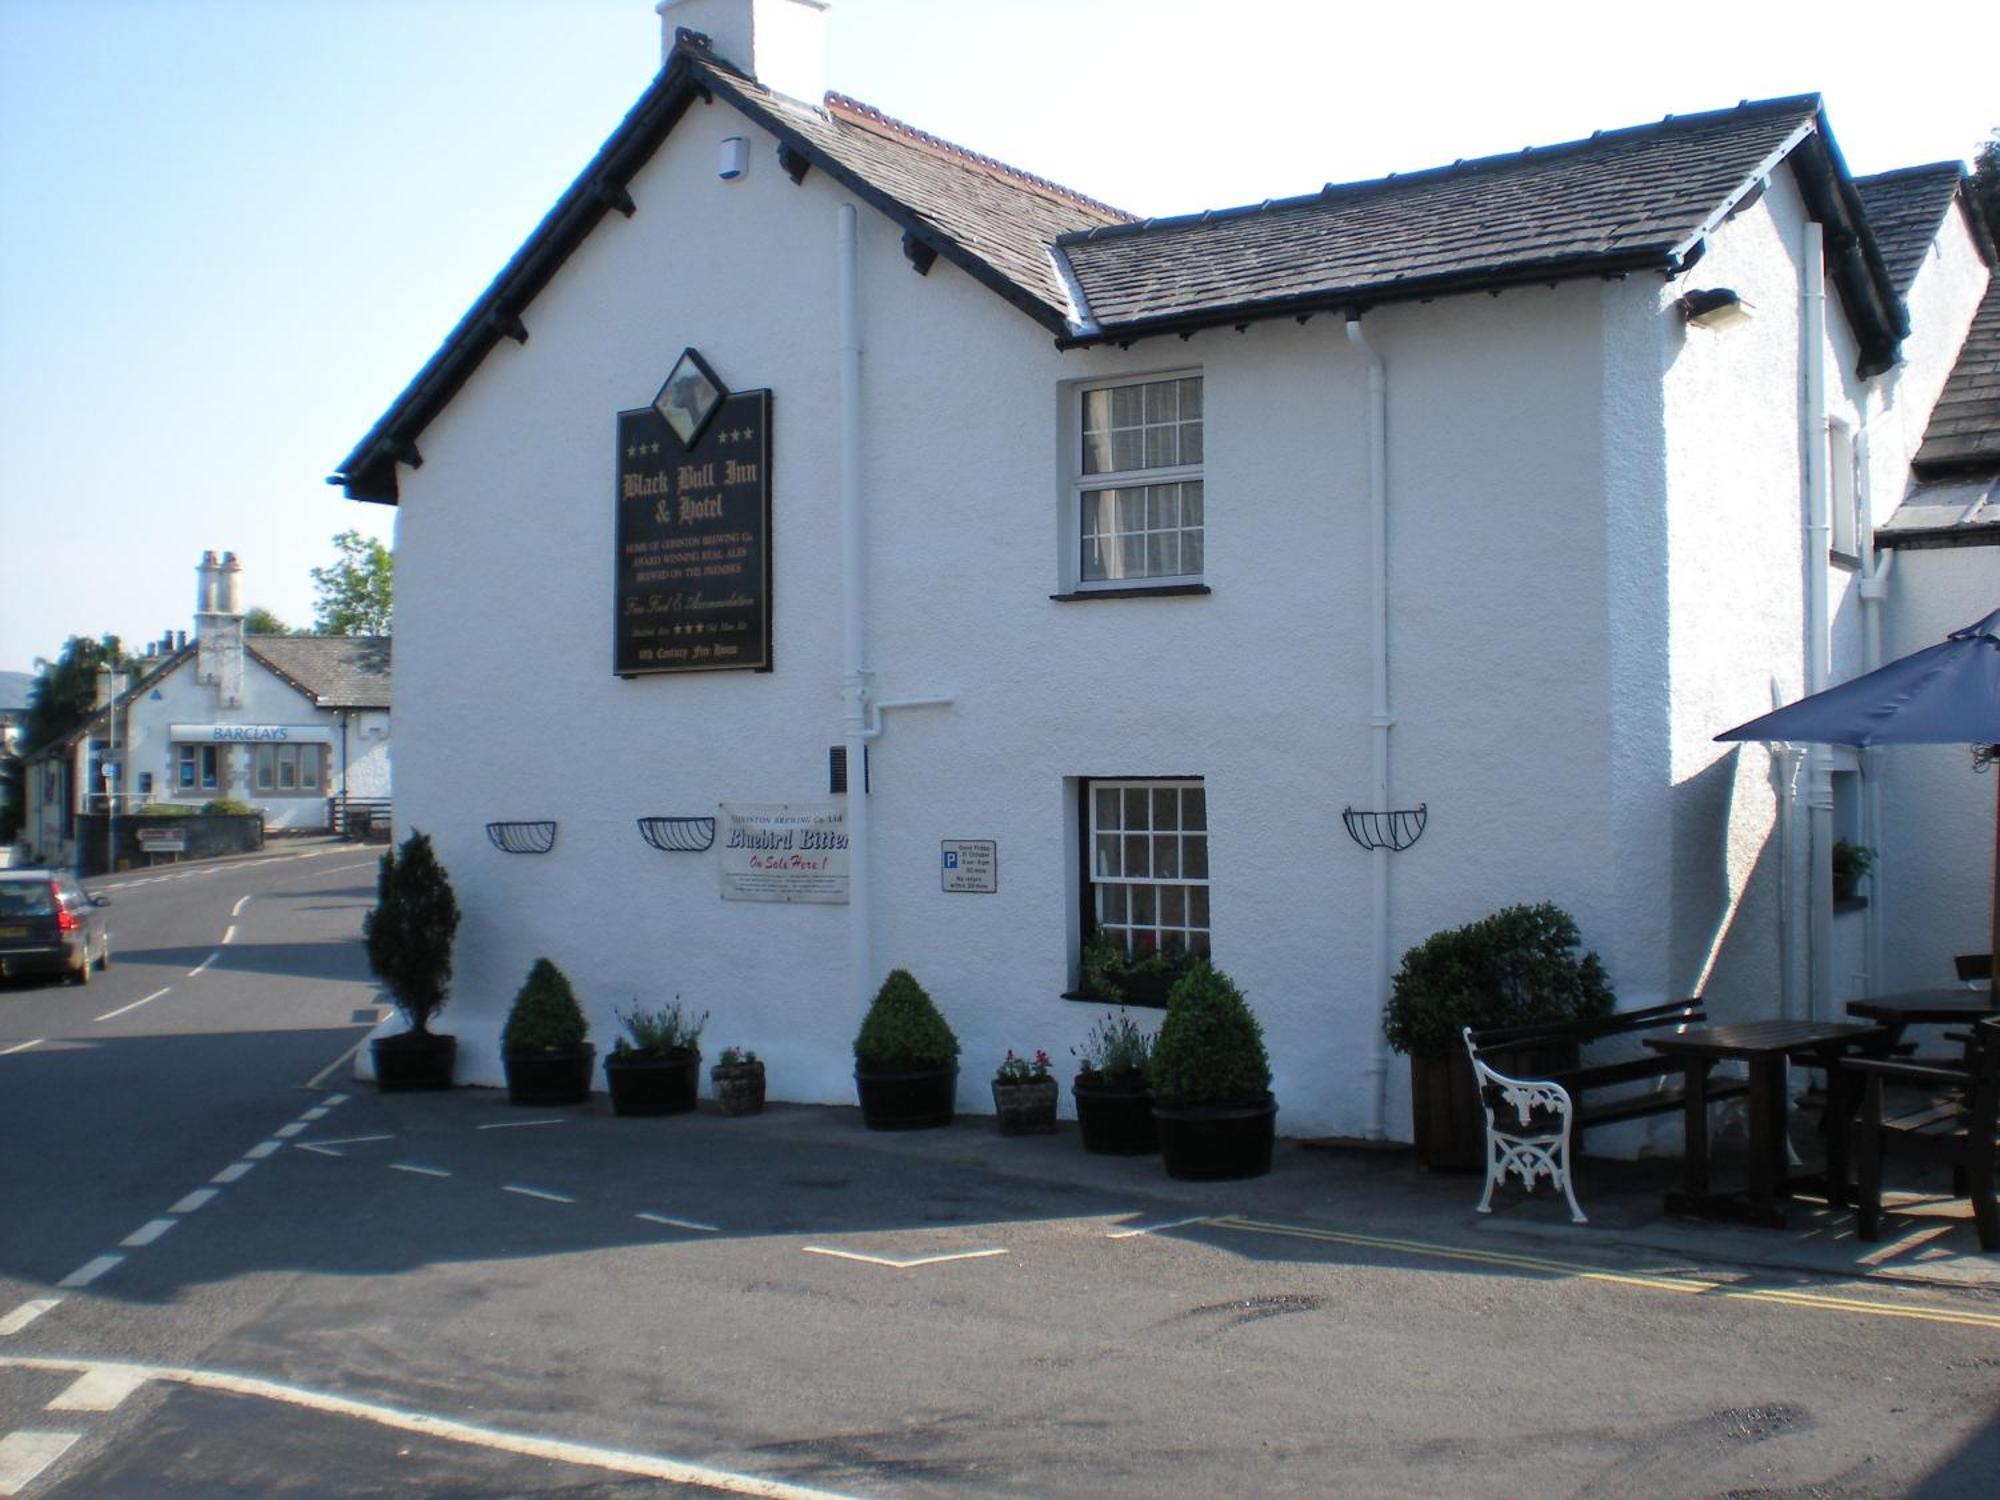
<point x="1994" y="936"/>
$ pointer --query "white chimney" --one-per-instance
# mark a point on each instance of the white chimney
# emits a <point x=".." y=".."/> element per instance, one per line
<point x="780" y="43"/>
<point x="229" y="592"/>
<point x="218" y="629"/>
<point x="204" y="594"/>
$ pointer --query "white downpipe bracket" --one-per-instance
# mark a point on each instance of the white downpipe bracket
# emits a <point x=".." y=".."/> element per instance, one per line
<point x="1380" y="719"/>
<point x="1819" y="789"/>
<point x="856" y="678"/>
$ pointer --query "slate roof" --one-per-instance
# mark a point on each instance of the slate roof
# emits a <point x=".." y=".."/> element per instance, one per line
<point x="1964" y="434"/>
<point x="1956" y="512"/>
<point x="1905" y="208"/>
<point x="335" y="671"/>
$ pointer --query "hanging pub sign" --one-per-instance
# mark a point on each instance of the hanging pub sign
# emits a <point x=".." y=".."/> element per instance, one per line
<point x="694" y="529"/>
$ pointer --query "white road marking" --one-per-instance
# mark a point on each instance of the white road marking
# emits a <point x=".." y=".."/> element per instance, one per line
<point x="546" y="1197"/>
<point x="1134" y="1233"/>
<point x="350" y="1140"/>
<point x="262" y="1149"/>
<point x="317" y="1150"/>
<point x="199" y="1198"/>
<point x="286" y="1132"/>
<point x="229" y="934"/>
<point x="519" y="1124"/>
<point x="203" y="965"/>
<point x="237" y="910"/>
<point x="21" y="1046"/>
<point x="232" y="1172"/>
<point x="694" y="1224"/>
<point x="897" y="1264"/>
<point x="410" y="1166"/>
<point x="111" y="1014"/>
<point x="333" y="1099"/>
<point x="315" y="1114"/>
<point x="146" y="1233"/>
<point x="551" y="1450"/>
<point x="25" y="1314"/>
<point x="89" y="1271"/>
<point x="24" y="1454"/>
<point x="98" y="1390"/>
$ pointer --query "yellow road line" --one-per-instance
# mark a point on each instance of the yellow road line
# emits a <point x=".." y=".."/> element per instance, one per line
<point x="1682" y="1285"/>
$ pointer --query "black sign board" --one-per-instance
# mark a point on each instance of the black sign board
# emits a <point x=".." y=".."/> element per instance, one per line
<point x="694" y="542"/>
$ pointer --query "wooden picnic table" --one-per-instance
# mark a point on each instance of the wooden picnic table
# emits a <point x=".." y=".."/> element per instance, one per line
<point x="1946" y="1005"/>
<point x="1764" y="1046"/>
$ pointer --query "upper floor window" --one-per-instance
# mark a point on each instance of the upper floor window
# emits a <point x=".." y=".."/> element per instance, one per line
<point x="1139" y="507"/>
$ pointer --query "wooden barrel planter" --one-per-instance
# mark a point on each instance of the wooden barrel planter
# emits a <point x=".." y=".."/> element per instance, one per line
<point x="555" y="1075"/>
<point x="920" y="1099"/>
<point x="412" y="1060"/>
<point x="1115" y="1119"/>
<point x="653" y="1083"/>
<point x="1213" y="1142"/>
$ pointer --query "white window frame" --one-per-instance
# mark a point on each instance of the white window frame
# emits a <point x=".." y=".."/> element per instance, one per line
<point x="1844" y="489"/>
<point x="1078" y="483"/>
<point x="290" y="770"/>
<point x="1196" y="935"/>
<point x="198" y="768"/>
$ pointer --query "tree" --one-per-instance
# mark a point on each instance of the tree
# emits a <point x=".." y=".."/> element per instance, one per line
<point x="409" y="933"/>
<point x="1986" y="182"/>
<point x="260" y="621"/>
<point x="356" y="593"/>
<point x="65" y="690"/>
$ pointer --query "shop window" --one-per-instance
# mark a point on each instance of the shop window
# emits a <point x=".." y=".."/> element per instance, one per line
<point x="199" y="768"/>
<point x="290" y="770"/>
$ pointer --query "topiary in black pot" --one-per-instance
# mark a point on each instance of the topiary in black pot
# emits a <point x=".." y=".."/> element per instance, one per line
<point x="1212" y="1082"/>
<point x="408" y="937"/>
<point x="543" y="1048"/>
<point x="905" y="1059"/>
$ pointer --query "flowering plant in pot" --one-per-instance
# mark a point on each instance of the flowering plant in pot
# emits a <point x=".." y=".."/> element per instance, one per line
<point x="905" y="1059"/>
<point x="1211" y="1081"/>
<point x="408" y="937"/>
<point x="738" y="1081"/>
<point x="1024" y="1095"/>
<point x="544" y="1047"/>
<point x="658" y="1070"/>
<point x="1114" y="1099"/>
<point x="1145" y="976"/>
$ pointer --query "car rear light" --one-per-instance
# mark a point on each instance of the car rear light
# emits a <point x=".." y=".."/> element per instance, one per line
<point x="65" y="919"/>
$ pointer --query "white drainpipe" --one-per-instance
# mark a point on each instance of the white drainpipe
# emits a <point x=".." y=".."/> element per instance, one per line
<point x="1380" y="721"/>
<point x="1819" y="794"/>
<point x="1874" y="589"/>
<point x="855" y="677"/>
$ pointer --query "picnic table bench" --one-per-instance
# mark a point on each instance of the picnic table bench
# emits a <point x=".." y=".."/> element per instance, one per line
<point x="1540" y="1093"/>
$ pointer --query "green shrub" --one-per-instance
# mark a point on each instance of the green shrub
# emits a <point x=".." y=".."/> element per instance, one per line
<point x="227" y="806"/>
<point x="1516" y="966"/>
<point x="409" y="933"/>
<point x="671" y="1028"/>
<point x="1110" y="973"/>
<point x="904" y="1031"/>
<point x="1210" y="1049"/>
<point x="545" y="1014"/>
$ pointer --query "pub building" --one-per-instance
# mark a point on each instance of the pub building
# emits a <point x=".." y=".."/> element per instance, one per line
<point x="1284" y="583"/>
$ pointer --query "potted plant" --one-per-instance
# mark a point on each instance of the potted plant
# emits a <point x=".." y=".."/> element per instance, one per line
<point x="1516" y="966"/>
<point x="408" y="937"/>
<point x="1211" y="1082"/>
<point x="738" y="1081"/>
<point x="544" y="1047"/>
<point x="658" y="1070"/>
<point x="1850" y="863"/>
<point x="1114" y="1101"/>
<point x="905" y="1059"/>
<point x="1145" y="977"/>
<point x="1024" y="1095"/>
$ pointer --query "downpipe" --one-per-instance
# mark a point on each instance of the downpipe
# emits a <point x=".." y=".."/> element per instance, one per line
<point x="1819" y="783"/>
<point x="856" y="683"/>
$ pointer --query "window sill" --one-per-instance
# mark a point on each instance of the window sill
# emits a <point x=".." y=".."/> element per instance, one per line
<point x="1845" y="904"/>
<point x="1143" y="591"/>
<point x="1127" y="1004"/>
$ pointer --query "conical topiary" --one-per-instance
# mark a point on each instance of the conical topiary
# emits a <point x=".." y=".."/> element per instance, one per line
<point x="1210" y="1049"/>
<point x="904" y="1031"/>
<point x="545" y="1014"/>
<point x="409" y="933"/>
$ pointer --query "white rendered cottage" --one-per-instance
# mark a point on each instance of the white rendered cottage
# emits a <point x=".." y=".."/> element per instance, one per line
<point x="1129" y="556"/>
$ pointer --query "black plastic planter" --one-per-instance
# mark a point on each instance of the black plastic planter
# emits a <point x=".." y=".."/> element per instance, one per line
<point x="919" y="1100"/>
<point x="412" y="1060"/>
<point x="1115" y="1121"/>
<point x="560" y="1075"/>
<point x="648" y="1084"/>
<point x="1209" y="1142"/>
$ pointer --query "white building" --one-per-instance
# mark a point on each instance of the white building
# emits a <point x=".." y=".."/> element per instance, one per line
<point x="290" y="725"/>
<point x="1470" y="491"/>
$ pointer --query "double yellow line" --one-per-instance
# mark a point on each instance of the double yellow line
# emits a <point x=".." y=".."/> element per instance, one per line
<point x="1686" y="1286"/>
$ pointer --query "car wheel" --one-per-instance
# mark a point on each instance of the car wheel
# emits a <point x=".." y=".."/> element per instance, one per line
<point x="81" y="973"/>
<point x="104" y="953"/>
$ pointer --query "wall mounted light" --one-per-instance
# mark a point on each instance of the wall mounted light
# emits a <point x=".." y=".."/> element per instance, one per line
<point x="735" y="158"/>
<point x="1715" y="308"/>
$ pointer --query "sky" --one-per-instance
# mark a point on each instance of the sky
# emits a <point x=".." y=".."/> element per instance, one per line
<point x="231" y="231"/>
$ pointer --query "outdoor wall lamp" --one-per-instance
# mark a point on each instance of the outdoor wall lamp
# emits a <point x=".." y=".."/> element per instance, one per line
<point x="1715" y="308"/>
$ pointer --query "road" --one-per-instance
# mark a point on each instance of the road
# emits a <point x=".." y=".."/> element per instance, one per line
<point x="226" y="1271"/>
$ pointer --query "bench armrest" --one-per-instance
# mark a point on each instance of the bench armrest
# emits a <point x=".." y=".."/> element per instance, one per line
<point x="1908" y="1072"/>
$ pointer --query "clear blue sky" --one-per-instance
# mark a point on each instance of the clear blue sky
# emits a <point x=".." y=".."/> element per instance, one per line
<point x="231" y="230"/>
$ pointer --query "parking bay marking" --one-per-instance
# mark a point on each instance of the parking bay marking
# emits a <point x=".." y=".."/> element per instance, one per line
<point x="694" y="1224"/>
<point x="26" y="1313"/>
<point x="899" y="1263"/>
<point x="24" y="1454"/>
<point x="21" y="1046"/>
<point x="113" y="1014"/>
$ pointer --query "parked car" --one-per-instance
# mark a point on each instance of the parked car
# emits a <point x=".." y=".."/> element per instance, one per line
<point x="50" y="925"/>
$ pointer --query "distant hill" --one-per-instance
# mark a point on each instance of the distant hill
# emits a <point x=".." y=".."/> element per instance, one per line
<point x="14" y="689"/>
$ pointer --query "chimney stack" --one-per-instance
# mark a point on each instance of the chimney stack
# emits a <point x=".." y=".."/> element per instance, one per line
<point x="780" y="43"/>
<point x="218" y="629"/>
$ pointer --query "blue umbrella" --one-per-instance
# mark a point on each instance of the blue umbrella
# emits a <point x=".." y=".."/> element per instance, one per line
<point x="1947" y="694"/>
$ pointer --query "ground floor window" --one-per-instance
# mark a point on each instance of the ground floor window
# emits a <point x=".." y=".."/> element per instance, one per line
<point x="290" y="768"/>
<point x="1146" y="854"/>
<point x="200" y="768"/>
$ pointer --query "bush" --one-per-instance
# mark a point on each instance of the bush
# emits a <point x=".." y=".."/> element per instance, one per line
<point x="904" y="1031"/>
<point x="227" y="807"/>
<point x="661" y="1032"/>
<point x="545" y="1016"/>
<point x="1210" y="1049"/>
<point x="409" y="933"/>
<point x="1109" y="973"/>
<point x="1517" y="966"/>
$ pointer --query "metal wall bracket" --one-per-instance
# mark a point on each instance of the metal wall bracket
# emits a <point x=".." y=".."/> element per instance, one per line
<point x="678" y="835"/>
<point x="1386" y="830"/>
<point x="523" y="838"/>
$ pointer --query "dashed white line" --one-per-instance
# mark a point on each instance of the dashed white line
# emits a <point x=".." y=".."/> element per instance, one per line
<point x="315" y="1114"/>
<point x="21" y="1046"/>
<point x="519" y="1124"/>
<point x="545" y="1196"/>
<point x="286" y="1132"/>
<point x="24" y="1454"/>
<point x="26" y="1313"/>
<point x="694" y="1224"/>
<point x="199" y="1198"/>
<point x="262" y="1149"/>
<point x="146" y="1233"/>
<point x="233" y="1172"/>
<point x="89" y="1271"/>
<point x="410" y="1166"/>
<point x="896" y="1263"/>
<point x="198" y="968"/>
<point x="333" y="1099"/>
<point x="113" y="1014"/>
<point x="98" y="1390"/>
<point x="350" y="1140"/>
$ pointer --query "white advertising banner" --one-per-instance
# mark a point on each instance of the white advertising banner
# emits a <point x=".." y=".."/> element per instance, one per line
<point x="783" y="851"/>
